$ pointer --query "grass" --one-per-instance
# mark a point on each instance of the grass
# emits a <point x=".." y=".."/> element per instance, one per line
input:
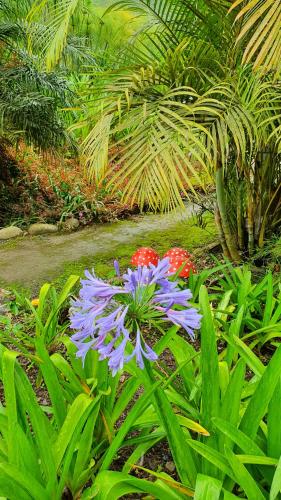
<point x="184" y="234"/>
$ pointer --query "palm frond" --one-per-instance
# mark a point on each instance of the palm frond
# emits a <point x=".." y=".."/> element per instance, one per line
<point x="78" y="51"/>
<point x="13" y="9"/>
<point x="53" y="38"/>
<point x="10" y="31"/>
<point x="178" y="19"/>
<point x="156" y="127"/>
<point x="158" y="133"/>
<point x="261" y="29"/>
<point x="29" y="103"/>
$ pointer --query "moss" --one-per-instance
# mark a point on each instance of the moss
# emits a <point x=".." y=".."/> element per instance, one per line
<point x="12" y="243"/>
<point x="184" y="234"/>
<point x="161" y="237"/>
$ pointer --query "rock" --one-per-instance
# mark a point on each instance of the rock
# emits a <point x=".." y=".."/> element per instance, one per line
<point x="170" y="466"/>
<point x="39" y="228"/>
<point x="5" y="298"/>
<point x="10" y="232"/>
<point x="70" y="224"/>
<point x="3" y="310"/>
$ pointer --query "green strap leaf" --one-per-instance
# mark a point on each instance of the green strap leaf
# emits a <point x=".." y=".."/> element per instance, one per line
<point x="110" y="485"/>
<point x="72" y="420"/>
<point x="25" y="482"/>
<point x="238" y="437"/>
<point x="213" y="456"/>
<point x="243" y="477"/>
<point x="258" y="404"/>
<point x="276" y="482"/>
<point x="50" y="377"/>
<point x="8" y="373"/>
<point x="207" y="488"/>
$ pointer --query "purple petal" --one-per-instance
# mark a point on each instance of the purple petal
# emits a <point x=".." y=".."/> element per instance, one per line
<point x="117" y="357"/>
<point x="141" y="351"/>
<point x="179" y="297"/>
<point x="116" y="267"/>
<point x="189" y="319"/>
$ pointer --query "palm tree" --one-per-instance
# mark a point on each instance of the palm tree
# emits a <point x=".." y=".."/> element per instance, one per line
<point x="188" y="98"/>
<point x="29" y="97"/>
<point x="61" y="29"/>
<point x="258" y="23"/>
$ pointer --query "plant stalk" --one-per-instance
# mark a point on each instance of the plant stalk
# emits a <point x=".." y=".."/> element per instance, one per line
<point x="221" y="202"/>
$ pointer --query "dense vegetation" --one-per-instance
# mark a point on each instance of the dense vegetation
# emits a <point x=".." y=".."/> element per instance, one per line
<point x="158" y="101"/>
<point x="219" y="412"/>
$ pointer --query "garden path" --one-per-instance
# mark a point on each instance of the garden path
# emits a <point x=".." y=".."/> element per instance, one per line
<point x="32" y="260"/>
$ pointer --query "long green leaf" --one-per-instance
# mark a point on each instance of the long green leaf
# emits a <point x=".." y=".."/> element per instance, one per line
<point x="259" y="402"/>
<point x="207" y="488"/>
<point x="276" y="482"/>
<point x="210" y="399"/>
<point x="72" y="420"/>
<point x="209" y="362"/>
<point x="238" y="437"/>
<point x="111" y="485"/>
<point x="8" y="371"/>
<point x="213" y="456"/>
<point x="243" y="478"/>
<point x="51" y="380"/>
<point x="273" y="423"/>
<point x="15" y="484"/>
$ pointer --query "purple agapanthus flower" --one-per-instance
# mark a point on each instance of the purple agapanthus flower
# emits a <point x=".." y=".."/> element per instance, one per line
<point x="108" y="318"/>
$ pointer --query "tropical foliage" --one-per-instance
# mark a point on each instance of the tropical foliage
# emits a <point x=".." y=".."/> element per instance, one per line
<point x="262" y="21"/>
<point x="221" y="426"/>
<point x="158" y="98"/>
<point x="29" y="97"/>
<point x="192" y="97"/>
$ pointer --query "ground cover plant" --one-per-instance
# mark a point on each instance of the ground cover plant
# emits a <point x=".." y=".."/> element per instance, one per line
<point x="217" y="407"/>
<point x="36" y="187"/>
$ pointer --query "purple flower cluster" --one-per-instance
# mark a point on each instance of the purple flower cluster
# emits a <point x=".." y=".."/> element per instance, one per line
<point x="108" y="318"/>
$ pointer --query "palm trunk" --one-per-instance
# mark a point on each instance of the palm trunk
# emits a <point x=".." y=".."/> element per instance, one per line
<point x="240" y="224"/>
<point x="229" y="239"/>
<point x="250" y="215"/>
<point x="221" y="235"/>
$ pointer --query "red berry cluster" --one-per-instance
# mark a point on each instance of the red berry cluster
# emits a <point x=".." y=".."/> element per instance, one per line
<point x="178" y="257"/>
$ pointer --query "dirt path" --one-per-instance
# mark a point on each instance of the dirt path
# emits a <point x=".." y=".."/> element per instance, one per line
<point x="32" y="260"/>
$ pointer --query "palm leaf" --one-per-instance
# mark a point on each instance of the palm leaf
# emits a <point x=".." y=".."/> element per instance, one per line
<point x="53" y="38"/>
<point x="261" y="29"/>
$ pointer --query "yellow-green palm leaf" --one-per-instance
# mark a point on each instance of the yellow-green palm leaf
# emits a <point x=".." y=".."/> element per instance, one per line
<point x="262" y="31"/>
<point x="55" y="18"/>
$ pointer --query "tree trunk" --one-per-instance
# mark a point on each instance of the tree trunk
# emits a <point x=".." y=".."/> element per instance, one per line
<point x="221" y="235"/>
<point x="240" y="221"/>
<point x="250" y="225"/>
<point x="229" y="239"/>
